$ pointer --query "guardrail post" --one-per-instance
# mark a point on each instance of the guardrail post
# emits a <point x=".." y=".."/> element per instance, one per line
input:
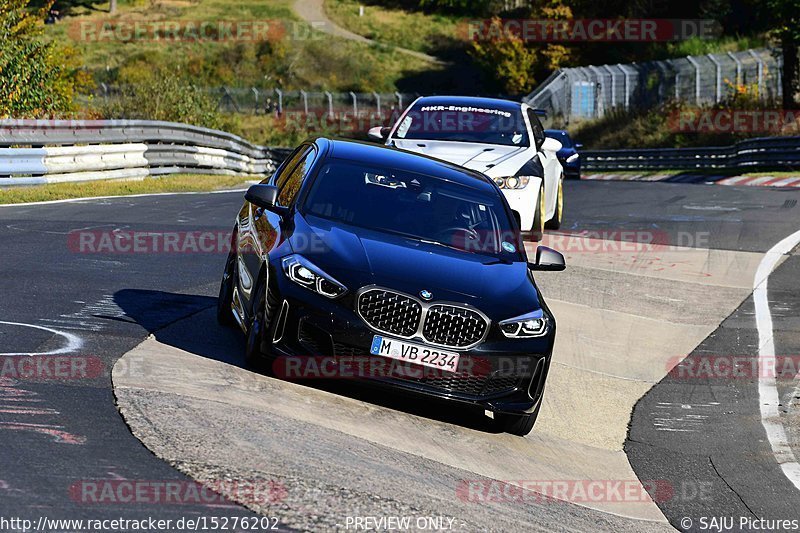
<point x="377" y="101"/>
<point x="399" y="101"/>
<point x="718" y="66"/>
<point x="304" y="95"/>
<point x="355" y="103"/>
<point x="255" y="100"/>
<point x="330" y="103"/>
<point x="738" y="68"/>
<point x="280" y="101"/>
<point x="696" y="66"/>
<point x="760" y="72"/>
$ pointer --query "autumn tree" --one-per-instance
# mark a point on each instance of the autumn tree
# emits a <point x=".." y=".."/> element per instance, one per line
<point x="37" y="78"/>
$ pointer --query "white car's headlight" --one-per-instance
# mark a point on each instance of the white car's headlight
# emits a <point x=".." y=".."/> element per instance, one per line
<point x="534" y="324"/>
<point x="573" y="157"/>
<point x="512" y="182"/>
<point x="306" y="274"/>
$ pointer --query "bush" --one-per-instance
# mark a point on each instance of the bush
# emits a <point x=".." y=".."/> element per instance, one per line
<point x="164" y="96"/>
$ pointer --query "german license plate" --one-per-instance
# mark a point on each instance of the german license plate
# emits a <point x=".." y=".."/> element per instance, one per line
<point x="414" y="353"/>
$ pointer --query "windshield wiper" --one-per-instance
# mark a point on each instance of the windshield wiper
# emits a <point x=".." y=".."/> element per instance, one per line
<point x="437" y="243"/>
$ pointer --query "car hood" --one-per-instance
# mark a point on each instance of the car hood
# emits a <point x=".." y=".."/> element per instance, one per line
<point x="358" y="257"/>
<point x="475" y="156"/>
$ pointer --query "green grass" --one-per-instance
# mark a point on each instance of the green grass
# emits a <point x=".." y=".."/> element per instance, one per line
<point x="296" y="58"/>
<point x="87" y="189"/>
<point x="414" y="30"/>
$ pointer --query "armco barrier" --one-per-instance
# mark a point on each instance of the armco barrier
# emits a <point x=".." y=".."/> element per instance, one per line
<point x="767" y="153"/>
<point x="48" y="151"/>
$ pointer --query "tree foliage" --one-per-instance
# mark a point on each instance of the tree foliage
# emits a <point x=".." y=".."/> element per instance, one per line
<point x="37" y="78"/>
<point x="787" y="31"/>
<point x="163" y="95"/>
<point x="513" y="63"/>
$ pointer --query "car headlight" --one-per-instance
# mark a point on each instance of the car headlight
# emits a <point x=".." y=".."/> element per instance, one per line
<point x="512" y="182"/>
<point x="303" y="272"/>
<point x="534" y="324"/>
<point x="573" y="157"/>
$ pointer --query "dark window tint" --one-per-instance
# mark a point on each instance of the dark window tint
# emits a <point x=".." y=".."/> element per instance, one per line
<point x="287" y="163"/>
<point x="289" y="182"/>
<point x="536" y="128"/>
<point x="413" y="205"/>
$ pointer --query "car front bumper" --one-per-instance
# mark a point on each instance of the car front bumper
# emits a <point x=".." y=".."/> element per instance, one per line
<point x="322" y="338"/>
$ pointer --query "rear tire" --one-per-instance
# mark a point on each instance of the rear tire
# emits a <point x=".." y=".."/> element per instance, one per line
<point x="225" y="298"/>
<point x="555" y="222"/>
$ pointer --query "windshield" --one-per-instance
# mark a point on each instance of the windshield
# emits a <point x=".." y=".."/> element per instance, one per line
<point x="413" y="205"/>
<point x="464" y="124"/>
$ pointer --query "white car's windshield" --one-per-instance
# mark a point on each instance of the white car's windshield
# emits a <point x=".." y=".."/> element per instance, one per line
<point x="460" y="123"/>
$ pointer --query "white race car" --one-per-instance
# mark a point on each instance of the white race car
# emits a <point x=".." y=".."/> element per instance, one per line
<point x="503" y="139"/>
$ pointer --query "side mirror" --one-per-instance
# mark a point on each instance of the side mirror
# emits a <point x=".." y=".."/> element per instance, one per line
<point x="379" y="133"/>
<point x="551" y="145"/>
<point x="578" y="146"/>
<point x="548" y="259"/>
<point x="263" y="196"/>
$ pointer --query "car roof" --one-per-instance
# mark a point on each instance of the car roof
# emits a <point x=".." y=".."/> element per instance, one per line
<point x="386" y="156"/>
<point x="474" y="101"/>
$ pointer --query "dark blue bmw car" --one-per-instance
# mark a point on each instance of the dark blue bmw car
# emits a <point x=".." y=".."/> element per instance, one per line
<point x="568" y="155"/>
<point x="407" y="268"/>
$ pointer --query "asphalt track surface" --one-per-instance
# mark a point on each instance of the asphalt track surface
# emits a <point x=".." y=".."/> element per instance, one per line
<point x="70" y="431"/>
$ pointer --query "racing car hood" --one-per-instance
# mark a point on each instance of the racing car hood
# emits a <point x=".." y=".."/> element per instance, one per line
<point x="358" y="257"/>
<point x="490" y="159"/>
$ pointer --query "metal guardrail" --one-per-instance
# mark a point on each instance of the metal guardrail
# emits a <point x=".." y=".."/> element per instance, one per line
<point x="48" y="151"/>
<point x="768" y="153"/>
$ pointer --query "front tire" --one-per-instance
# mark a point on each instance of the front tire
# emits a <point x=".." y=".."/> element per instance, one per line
<point x="225" y="298"/>
<point x="259" y="333"/>
<point x="537" y="231"/>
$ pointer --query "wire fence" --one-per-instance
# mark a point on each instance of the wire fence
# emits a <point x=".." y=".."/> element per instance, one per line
<point x="256" y="101"/>
<point x="592" y="91"/>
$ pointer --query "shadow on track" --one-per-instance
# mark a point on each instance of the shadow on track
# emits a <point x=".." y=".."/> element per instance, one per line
<point x="188" y="322"/>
